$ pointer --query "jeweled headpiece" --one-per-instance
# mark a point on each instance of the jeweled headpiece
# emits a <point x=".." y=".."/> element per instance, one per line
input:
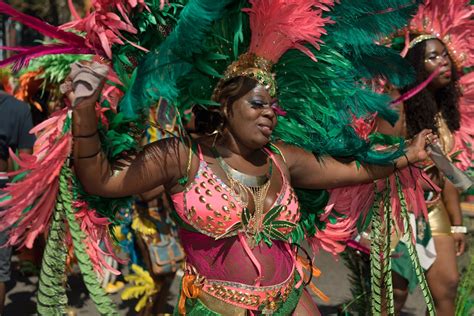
<point x="449" y="21"/>
<point x="277" y="26"/>
<point x="251" y="66"/>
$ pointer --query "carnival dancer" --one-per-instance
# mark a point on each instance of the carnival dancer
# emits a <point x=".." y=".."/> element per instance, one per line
<point x="438" y="45"/>
<point x="234" y="192"/>
<point x="217" y="190"/>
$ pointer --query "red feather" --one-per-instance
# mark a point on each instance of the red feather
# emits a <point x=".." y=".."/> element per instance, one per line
<point x="42" y="27"/>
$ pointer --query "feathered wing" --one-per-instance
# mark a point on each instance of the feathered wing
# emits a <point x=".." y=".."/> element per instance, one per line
<point x="36" y="203"/>
<point x="464" y="138"/>
<point x="332" y="93"/>
<point x="29" y="201"/>
<point x="334" y="98"/>
<point x="281" y="25"/>
<point x="157" y="75"/>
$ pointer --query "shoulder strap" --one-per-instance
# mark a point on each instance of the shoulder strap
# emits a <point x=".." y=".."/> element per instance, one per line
<point x="271" y="153"/>
<point x="274" y="149"/>
<point x="192" y="148"/>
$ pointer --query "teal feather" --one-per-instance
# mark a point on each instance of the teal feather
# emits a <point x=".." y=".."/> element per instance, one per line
<point x="327" y="94"/>
<point x="159" y="71"/>
<point x="359" y="24"/>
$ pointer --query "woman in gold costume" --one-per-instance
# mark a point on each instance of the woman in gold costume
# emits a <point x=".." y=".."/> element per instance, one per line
<point x="435" y="107"/>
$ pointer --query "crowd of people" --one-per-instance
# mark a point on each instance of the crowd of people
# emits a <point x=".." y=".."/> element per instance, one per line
<point x="230" y="141"/>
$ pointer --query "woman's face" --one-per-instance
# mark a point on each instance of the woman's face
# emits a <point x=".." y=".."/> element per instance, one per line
<point x="436" y="56"/>
<point x="251" y="119"/>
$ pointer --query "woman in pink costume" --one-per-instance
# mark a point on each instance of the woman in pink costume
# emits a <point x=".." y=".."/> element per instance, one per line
<point x="233" y="194"/>
<point x="233" y="191"/>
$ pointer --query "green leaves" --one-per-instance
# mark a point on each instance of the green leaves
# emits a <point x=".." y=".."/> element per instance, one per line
<point x="408" y="235"/>
<point x="270" y="229"/>
<point x="102" y="301"/>
<point x="272" y="214"/>
<point x="52" y="299"/>
<point x="271" y="226"/>
<point x="464" y="298"/>
<point x="377" y="258"/>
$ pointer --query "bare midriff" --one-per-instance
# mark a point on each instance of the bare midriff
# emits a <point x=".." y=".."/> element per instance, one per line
<point x="227" y="260"/>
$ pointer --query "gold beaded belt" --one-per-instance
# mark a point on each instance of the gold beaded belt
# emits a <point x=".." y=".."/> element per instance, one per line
<point x="258" y="298"/>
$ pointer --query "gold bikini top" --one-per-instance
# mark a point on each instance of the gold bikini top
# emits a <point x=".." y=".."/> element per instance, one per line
<point x="445" y="136"/>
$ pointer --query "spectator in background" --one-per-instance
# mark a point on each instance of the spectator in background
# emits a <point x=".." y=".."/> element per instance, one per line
<point x="15" y="124"/>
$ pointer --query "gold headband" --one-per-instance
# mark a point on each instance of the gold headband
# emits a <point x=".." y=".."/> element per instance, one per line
<point x="420" y="39"/>
<point x="250" y="66"/>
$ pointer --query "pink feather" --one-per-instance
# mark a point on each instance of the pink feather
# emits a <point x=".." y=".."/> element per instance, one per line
<point x="414" y="91"/>
<point x="96" y="232"/>
<point x="23" y="58"/>
<point x="73" y="10"/>
<point x="104" y="28"/>
<point x="35" y="190"/>
<point x="41" y="26"/>
<point x="279" y="25"/>
<point x="363" y="126"/>
<point x="354" y="202"/>
<point x="357" y="246"/>
<point x="15" y="49"/>
<point x="464" y="137"/>
<point x="31" y="200"/>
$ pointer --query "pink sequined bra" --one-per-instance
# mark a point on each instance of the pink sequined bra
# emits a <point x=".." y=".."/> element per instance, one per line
<point x="209" y="206"/>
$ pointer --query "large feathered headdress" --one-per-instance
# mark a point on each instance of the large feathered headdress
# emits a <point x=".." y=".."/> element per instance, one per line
<point x="276" y="27"/>
<point x="449" y="21"/>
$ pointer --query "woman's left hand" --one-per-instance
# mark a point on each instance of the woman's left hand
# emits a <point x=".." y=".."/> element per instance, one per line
<point x="459" y="243"/>
<point x="416" y="151"/>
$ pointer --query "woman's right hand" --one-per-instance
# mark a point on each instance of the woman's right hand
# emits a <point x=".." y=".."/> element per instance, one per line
<point x="84" y="83"/>
<point x="417" y="150"/>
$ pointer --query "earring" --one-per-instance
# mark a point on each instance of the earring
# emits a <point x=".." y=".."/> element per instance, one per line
<point x="215" y="138"/>
<point x="217" y="132"/>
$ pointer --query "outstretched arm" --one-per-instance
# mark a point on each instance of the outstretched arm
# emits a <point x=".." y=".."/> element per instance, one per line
<point x="311" y="173"/>
<point x="160" y="163"/>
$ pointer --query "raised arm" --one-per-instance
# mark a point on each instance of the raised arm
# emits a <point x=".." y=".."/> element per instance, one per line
<point x="311" y="173"/>
<point x="160" y="163"/>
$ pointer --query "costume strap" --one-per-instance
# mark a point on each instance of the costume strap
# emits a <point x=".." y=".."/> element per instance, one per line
<point x="275" y="149"/>
<point x="252" y="257"/>
<point x="192" y="148"/>
<point x="272" y="158"/>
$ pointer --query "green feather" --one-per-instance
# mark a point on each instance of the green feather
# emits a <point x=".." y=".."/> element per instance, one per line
<point x="158" y="72"/>
<point x="465" y="294"/>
